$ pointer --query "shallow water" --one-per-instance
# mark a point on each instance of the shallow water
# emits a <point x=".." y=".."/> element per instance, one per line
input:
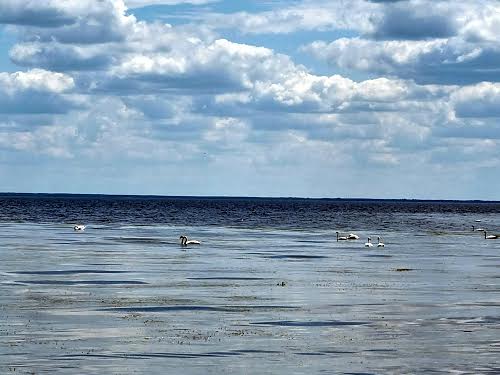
<point x="270" y="293"/>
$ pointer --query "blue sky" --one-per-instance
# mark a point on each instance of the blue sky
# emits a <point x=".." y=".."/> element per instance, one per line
<point x="312" y="98"/>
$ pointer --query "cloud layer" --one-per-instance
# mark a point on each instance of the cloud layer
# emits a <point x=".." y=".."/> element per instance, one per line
<point x="430" y="42"/>
<point x="415" y="87"/>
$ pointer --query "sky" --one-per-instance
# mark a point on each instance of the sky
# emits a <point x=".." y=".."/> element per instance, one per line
<point x="302" y="98"/>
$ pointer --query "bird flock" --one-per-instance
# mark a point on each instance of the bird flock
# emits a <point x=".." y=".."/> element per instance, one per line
<point x="352" y="236"/>
<point x="486" y="235"/>
<point x="184" y="241"/>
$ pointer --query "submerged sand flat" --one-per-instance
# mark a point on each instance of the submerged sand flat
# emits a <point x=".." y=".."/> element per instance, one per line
<point x="129" y="300"/>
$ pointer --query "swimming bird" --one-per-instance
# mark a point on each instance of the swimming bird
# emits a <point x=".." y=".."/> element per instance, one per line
<point x="380" y="243"/>
<point x="490" y="236"/>
<point x="477" y="229"/>
<point x="79" y="228"/>
<point x="341" y="238"/>
<point x="185" y="241"/>
<point x="352" y="236"/>
<point x="369" y="243"/>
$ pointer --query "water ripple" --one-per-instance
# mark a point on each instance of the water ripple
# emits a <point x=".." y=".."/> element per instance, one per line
<point x="326" y="323"/>
<point x="67" y="272"/>
<point x="231" y="308"/>
<point x="81" y="282"/>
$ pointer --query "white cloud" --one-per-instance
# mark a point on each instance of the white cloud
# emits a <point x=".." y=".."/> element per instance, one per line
<point x="36" y="79"/>
<point x="378" y="56"/>
<point x="144" y="3"/>
<point x="447" y="61"/>
<point x="306" y="15"/>
<point x="481" y="100"/>
<point x="91" y="50"/>
<point x="35" y="91"/>
<point x="56" y="56"/>
<point x="430" y="42"/>
<point x="69" y="21"/>
<point x="227" y="132"/>
<point x="218" y="66"/>
<point x="399" y="20"/>
<point x="42" y="13"/>
<point x="299" y="91"/>
<point x="418" y="19"/>
<point x="50" y="141"/>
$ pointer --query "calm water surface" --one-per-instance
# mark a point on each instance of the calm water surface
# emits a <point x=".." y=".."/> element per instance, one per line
<point x="269" y="291"/>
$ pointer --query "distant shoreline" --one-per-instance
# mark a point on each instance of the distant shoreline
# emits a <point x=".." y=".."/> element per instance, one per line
<point x="224" y="197"/>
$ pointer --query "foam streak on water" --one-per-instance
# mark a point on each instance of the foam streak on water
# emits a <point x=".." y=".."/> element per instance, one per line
<point x="269" y="290"/>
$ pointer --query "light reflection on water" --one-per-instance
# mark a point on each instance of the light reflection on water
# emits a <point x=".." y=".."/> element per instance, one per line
<point x="129" y="299"/>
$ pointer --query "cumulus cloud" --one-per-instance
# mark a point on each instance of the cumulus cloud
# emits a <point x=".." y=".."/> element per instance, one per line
<point x="463" y="152"/>
<point x="227" y="133"/>
<point x="266" y="80"/>
<point x="221" y="65"/>
<point x="448" y="61"/>
<point x="481" y="100"/>
<point x="69" y="21"/>
<point x="144" y="3"/>
<point x="389" y="20"/>
<point x="41" y="13"/>
<point x="303" y="92"/>
<point x="319" y="15"/>
<point x="51" y="141"/>
<point x="154" y="107"/>
<point x="481" y="24"/>
<point x="34" y="91"/>
<point x="398" y="20"/>
<point x="88" y="49"/>
<point x="36" y="79"/>
<point x="404" y="22"/>
<point x="424" y="19"/>
<point x="227" y="67"/>
<point x="56" y="56"/>
<point x="430" y="42"/>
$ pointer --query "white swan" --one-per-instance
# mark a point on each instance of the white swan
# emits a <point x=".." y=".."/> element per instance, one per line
<point x="352" y="236"/>
<point x="79" y="228"/>
<point x="341" y="238"/>
<point x="185" y="241"/>
<point x="490" y="236"/>
<point x="369" y="243"/>
<point x="380" y="243"/>
<point x="477" y="229"/>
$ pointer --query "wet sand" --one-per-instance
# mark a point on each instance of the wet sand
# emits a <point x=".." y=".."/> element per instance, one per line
<point x="130" y="300"/>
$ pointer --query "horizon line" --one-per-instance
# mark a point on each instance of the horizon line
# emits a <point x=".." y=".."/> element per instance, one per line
<point x="252" y="197"/>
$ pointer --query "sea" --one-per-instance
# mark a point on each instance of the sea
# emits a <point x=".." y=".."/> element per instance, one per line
<point x="269" y="290"/>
